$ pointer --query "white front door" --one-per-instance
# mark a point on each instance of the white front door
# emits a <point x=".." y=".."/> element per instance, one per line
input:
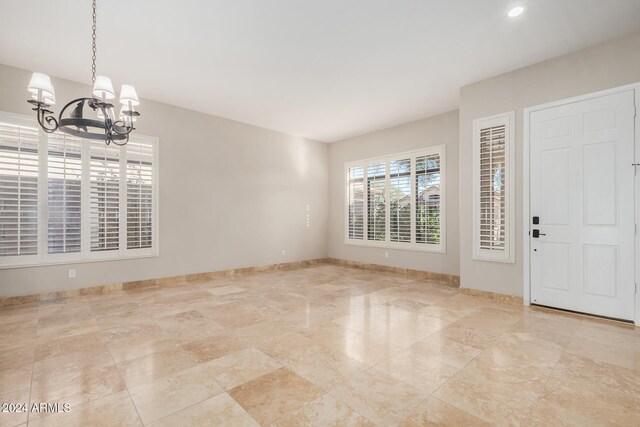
<point x="582" y="193"/>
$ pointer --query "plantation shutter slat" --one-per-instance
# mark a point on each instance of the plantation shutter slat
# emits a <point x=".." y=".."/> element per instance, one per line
<point x="139" y="195"/>
<point x="18" y="190"/>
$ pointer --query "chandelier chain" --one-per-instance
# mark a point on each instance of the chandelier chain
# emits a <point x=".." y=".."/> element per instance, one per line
<point x="93" y="45"/>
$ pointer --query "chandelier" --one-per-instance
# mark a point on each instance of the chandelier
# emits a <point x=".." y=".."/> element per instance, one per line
<point x="102" y="123"/>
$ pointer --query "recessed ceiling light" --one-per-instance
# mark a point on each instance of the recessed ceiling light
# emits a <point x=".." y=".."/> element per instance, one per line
<point x="516" y="11"/>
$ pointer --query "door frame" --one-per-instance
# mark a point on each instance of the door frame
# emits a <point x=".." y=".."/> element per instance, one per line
<point x="526" y="214"/>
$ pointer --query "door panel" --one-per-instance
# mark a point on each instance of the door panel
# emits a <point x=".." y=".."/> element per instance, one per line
<point x="600" y="188"/>
<point x="582" y="188"/>
<point x="601" y="270"/>
<point x="556" y="200"/>
<point x="555" y="259"/>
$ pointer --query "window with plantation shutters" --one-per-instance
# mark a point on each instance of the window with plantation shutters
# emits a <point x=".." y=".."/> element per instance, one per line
<point x="397" y="201"/>
<point x="139" y="195"/>
<point x="427" y="191"/>
<point x="104" y="201"/>
<point x="355" y="203"/>
<point x="19" y="164"/>
<point x="64" y="194"/>
<point x="66" y="199"/>
<point x="400" y="200"/>
<point x="376" y="201"/>
<point x="493" y="201"/>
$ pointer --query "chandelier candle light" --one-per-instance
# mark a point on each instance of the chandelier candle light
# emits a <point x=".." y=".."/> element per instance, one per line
<point x="105" y="127"/>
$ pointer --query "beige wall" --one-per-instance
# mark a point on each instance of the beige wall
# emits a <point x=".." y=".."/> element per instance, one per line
<point x="437" y="130"/>
<point x="603" y="66"/>
<point x="231" y="195"/>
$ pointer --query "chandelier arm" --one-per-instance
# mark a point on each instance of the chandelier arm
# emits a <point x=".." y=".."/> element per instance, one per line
<point x="45" y="115"/>
<point x="124" y="142"/>
<point x="121" y="128"/>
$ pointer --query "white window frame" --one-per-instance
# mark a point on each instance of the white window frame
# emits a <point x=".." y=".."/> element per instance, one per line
<point x="85" y="254"/>
<point x="508" y="255"/>
<point x="411" y="246"/>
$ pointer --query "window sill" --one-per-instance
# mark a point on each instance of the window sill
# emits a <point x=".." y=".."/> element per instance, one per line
<point x="69" y="261"/>
<point x="441" y="249"/>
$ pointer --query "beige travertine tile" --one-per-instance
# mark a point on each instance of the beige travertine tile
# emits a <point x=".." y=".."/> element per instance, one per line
<point x="325" y="411"/>
<point x="425" y="374"/>
<point x="328" y="333"/>
<point x="606" y="347"/>
<point x="378" y="396"/>
<point x="71" y="363"/>
<point x="14" y="357"/>
<point x="132" y="333"/>
<point x="259" y="333"/>
<point x="128" y="351"/>
<point x="213" y="346"/>
<point x="408" y="305"/>
<point x="453" y="353"/>
<point x="226" y="290"/>
<point x="366" y="349"/>
<point x="217" y="411"/>
<point x="434" y="412"/>
<point x="290" y="347"/>
<point x="407" y="331"/>
<point x="16" y="378"/>
<point x="617" y="378"/>
<point x="147" y="368"/>
<point x="76" y="386"/>
<point x="241" y="366"/>
<point x="573" y="397"/>
<point x="58" y="346"/>
<point x="446" y="313"/>
<point x="272" y="396"/>
<point x="331" y="287"/>
<point x="327" y="368"/>
<point x="498" y="399"/>
<point x="362" y="321"/>
<point x="172" y="393"/>
<point x="468" y="336"/>
<point x="234" y="315"/>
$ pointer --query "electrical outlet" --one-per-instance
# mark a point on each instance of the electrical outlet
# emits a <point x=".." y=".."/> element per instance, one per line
<point x="72" y="273"/>
<point x="386" y="254"/>
<point x="283" y="252"/>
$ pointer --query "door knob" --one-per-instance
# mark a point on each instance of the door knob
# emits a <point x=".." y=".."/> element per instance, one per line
<point x="537" y="233"/>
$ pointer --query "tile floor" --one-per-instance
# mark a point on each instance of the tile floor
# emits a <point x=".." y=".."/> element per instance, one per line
<point x="326" y="345"/>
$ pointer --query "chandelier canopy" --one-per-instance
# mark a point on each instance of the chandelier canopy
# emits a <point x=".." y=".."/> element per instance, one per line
<point x="101" y="124"/>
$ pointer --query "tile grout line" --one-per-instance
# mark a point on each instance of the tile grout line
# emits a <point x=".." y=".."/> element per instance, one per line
<point x="564" y="350"/>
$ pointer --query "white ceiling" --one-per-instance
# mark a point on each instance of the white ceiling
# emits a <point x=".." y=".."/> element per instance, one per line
<point x="322" y="69"/>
